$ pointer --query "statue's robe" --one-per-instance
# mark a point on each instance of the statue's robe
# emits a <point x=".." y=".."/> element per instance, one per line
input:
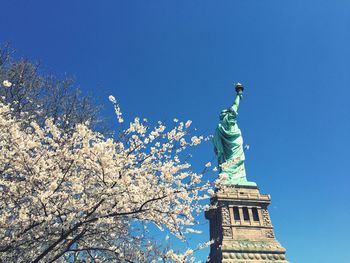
<point x="228" y="145"/>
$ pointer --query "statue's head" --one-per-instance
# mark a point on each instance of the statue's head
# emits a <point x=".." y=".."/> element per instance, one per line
<point x="225" y="112"/>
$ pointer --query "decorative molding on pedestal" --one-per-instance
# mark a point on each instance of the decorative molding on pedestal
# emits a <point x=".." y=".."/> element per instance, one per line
<point x="241" y="227"/>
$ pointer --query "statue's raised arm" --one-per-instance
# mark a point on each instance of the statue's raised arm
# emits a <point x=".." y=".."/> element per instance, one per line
<point x="228" y="144"/>
<point x="239" y="90"/>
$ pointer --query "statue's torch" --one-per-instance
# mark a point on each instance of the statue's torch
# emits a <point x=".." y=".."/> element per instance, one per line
<point x="239" y="88"/>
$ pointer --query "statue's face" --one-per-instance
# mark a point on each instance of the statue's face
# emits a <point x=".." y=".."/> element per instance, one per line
<point x="224" y="113"/>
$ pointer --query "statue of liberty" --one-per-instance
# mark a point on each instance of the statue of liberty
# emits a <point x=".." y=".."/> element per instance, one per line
<point x="228" y="144"/>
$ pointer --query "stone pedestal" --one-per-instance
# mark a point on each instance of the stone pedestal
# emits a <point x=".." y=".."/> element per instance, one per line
<point x="241" y="228"/>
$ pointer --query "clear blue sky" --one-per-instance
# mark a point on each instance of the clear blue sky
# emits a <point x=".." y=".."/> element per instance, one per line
<point x="165" y="59"/>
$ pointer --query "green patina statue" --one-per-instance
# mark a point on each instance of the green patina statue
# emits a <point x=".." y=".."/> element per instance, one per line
<point x="228" y="144"/>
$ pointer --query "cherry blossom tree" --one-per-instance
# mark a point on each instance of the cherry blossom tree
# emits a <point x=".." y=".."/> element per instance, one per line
<point x="44" y="95"/>
<point x="83" y="197"/>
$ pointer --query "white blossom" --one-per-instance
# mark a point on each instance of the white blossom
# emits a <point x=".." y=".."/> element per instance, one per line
<point x="211" y="192"/>
<point x="6" y="83"/>
<point x="196" y="140"/>
<point x="112" y="99"/>
<point x="208" y="164"/>
<point x="188" y="123"/>
<point x="191" y="230"/>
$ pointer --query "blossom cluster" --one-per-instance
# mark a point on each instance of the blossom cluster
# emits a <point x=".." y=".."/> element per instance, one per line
<point x="81" y="193"/>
